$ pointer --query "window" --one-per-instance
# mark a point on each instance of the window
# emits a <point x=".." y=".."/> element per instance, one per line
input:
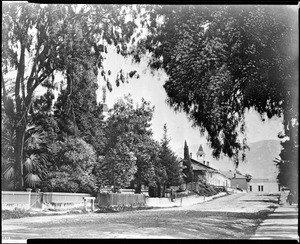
<point x="250" y="188"/>
<point x="261" y="188"/>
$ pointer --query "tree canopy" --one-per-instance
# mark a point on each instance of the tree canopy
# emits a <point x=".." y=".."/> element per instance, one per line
<point x="127" y="135"/>
<point x="221" y="61"/>
<point x="170" y="161"/>
<point x="132" y="155"/>
<point x="40" y="40"/>
<point x="188" y="168"/>
<point x="72" y="171"/>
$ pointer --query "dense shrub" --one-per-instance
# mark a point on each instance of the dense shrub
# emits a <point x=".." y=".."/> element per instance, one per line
<point x="74" y="163"/>
<point x="204" y="189"/>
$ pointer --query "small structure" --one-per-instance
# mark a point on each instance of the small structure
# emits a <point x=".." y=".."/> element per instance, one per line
<point x="264" y="185"/>
<point x="200" y="154"/>
<point x="92" y="199"/>
<point x="237" y="179"/>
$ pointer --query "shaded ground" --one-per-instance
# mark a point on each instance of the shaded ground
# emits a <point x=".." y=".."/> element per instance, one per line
<point x="227" y="217"/>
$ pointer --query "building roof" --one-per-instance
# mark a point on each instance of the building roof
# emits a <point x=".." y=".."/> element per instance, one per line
<point x="200" y="151"/>
<point x="263" y="181"/>
<point x="231" y="175"/>
<point x="200" y="166"/>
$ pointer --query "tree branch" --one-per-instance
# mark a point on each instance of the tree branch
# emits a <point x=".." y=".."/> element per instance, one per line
<point x="4" y="90"/>
<point x="20" y="76"/>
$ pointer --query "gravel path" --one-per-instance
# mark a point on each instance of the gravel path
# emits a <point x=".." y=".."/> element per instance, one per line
<point x="233" y="216"/>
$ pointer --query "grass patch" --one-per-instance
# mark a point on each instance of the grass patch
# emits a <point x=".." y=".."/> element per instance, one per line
<point x="116" y="209"/>
<point x="15" y="214"/>
<point x="21" y="213"/>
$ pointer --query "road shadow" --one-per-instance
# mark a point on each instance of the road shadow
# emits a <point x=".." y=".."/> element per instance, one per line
<point x="271" y="195"/>
<point x="246" y="215"/>
<point x="275" y="230"/>
<point x="272" y="238"/>
<point x="284" y="216"/>
<point x="264" y="200"/>
<point x="280" y="225"/>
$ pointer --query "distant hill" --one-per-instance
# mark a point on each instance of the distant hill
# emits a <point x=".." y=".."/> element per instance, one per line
<point x="259" y="160"/>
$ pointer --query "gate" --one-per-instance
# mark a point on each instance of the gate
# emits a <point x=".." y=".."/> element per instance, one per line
<point x="36" y="200"/>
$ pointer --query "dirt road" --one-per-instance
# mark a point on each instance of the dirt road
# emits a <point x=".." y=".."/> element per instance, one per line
<point x="233" y="216"/>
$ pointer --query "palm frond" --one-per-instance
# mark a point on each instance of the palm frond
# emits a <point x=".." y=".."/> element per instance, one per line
<point x="33" y="127"/>
<point x="35" y="138"/>
<point x="34" y="141"/>
<point x="29" y="162"/>
<point x="8" y="138"/>
<point x="32" y="179"/>
<point x="9" y="172"/>
<point x="43" y="158"/>
<point x="7" y="143"/>
<point x="35" y="161"/>
<point x="12" y="184"/>
<point x="37" y="164"/>
<point x="6" y="161"/>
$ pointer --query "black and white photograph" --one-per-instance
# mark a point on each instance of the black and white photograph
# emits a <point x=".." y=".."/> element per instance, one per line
<point x="149" y="121"/>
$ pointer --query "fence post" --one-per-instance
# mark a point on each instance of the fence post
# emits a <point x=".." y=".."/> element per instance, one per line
<point x="29" y="196"/>
<point x="93" y="207"/>
<point x="85" y="205"/>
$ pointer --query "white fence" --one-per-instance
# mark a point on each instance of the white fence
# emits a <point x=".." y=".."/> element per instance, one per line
<point x="16" y="199"/>
<point x="63" y="200"/>
<point x="180" y="201"/>
<point x="27" y="200"/>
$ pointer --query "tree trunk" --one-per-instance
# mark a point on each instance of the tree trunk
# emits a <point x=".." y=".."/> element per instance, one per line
<point x="138" y="188"/>
<point x="159" y="190"/>
<point x="153" y="191"/>
<point x="164" y="190"/>
<point x="19" y="149"/>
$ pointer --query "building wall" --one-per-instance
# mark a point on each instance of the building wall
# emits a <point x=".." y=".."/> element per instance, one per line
<point x="217" y="179"/>
<point x="239" y="183"/>
<point x="263" y="187"/>
<point x="202" y="172"/>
